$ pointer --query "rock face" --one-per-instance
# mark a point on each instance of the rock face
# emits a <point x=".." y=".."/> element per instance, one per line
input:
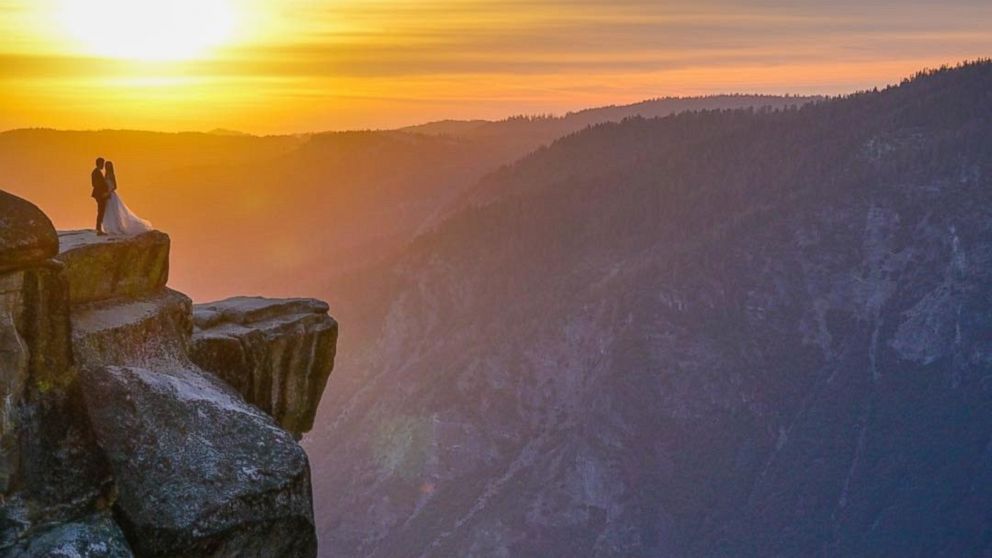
<point x="107" y="267"/>
<point x="97" y="536"/>
<point x="50" y="470"/>
<point x="102" y="409"/>
<point x="200" y="472"/>
<point x="277" y="353"/>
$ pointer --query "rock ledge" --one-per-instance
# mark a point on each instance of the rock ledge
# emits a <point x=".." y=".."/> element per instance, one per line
<point x="108" y="267"/>
<point x="277" y="353"/>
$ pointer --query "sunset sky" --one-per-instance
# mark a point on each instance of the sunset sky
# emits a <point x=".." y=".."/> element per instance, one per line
<point x="306" y="65"/>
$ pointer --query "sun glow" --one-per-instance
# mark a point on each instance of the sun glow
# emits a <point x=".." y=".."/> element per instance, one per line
<point x="148" y="29"/>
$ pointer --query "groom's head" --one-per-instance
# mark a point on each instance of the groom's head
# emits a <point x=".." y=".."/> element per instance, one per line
<point x="99" y="163"/>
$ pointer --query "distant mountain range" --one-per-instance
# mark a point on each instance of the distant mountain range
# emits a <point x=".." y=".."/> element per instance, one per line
<point x="537" y="130"/>
<point x="312" y="206"/>
<point x="731" y="333"/>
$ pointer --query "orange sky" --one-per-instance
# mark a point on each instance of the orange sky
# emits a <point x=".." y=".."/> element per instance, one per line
<point x="305" y="65"/>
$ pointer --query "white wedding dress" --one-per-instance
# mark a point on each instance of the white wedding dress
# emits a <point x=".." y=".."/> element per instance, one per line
<point x="119" y="220"/>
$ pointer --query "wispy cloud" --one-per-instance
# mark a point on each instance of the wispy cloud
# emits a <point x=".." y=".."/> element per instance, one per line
<point x="340" y="63"/>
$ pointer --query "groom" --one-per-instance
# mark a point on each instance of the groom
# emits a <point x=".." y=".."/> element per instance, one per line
<point x="101" y="193"/>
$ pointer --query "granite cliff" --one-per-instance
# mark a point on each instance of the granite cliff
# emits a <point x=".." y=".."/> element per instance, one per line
<point x="129" y="427"/>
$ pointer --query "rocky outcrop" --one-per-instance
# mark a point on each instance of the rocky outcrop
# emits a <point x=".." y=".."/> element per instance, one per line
<point x="107" y="267"/>
<point x="137" y="332"/>
<point x="277" y="353"/>
<point x="26" y="234"/>
<point x="101" y="408"/>
<point x="97" y="536"/>
<point x="200" y="472"/>
<point x="50" y="470"/>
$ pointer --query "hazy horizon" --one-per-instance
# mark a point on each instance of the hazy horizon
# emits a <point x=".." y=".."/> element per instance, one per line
<point x="220" y="130"/>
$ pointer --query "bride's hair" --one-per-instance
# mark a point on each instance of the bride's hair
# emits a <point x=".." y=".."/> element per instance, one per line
<point x="109" y="166"/>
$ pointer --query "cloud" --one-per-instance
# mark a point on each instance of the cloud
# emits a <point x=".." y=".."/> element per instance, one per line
<point x="367" y="61"/>
<point x="404" y="38"/>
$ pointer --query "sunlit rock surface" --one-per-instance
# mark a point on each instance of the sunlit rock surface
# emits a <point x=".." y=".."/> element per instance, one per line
<point x="134" y="331"/>
<point x="277" y="353"/>
<point x="105" y="267"/>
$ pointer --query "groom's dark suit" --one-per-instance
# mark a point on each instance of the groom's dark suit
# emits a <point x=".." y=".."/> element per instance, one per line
<point x="100" y="193"/>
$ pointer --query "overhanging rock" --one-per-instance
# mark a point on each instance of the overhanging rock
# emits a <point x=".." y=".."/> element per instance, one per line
<point x="278" y="353"/>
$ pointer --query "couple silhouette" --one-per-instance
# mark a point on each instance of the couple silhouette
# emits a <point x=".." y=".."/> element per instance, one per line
<point x="112" y="216"/>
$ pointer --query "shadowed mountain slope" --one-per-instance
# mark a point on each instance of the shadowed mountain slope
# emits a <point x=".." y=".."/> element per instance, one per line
<point x="740" y="333"/>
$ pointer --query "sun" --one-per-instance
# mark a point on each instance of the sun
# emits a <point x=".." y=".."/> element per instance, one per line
<point x="148" y="29"/>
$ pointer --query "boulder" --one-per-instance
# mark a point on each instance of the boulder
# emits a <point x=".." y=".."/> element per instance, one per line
<point x="102" y="268"/>
<point x="96" y="536"/>
<point x="277" y="353"/>
<point x="133" y="332"/>
<point x="200" y="472"/>
<point x="26" y="234"/>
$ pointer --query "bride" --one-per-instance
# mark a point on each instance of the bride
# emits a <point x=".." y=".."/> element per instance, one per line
<point x="118" y="219"/>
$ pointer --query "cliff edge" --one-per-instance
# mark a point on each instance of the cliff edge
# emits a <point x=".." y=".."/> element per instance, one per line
<point x="129" y="427"/>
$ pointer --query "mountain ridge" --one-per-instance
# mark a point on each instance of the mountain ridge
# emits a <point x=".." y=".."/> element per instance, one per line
<point x="716" y="333"/>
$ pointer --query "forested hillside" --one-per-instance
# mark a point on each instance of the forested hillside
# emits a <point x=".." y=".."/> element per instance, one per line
<point x="538" y="130"/>
<point x="721" y="333"/>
